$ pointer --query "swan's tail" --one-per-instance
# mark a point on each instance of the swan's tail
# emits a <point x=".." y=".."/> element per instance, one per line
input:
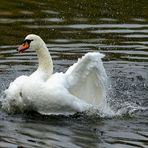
<point x="87" y="79"/>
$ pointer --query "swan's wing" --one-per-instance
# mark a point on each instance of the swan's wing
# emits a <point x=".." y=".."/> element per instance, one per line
<point x="87" y="79"/>
<point x="12" y="96"/>
<point x="17" y="84"/>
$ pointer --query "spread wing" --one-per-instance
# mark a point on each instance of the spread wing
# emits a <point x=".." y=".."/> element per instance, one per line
<point x="87" y="79"/>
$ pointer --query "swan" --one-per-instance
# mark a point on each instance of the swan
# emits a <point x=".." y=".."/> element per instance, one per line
<point x="80" y="88"/>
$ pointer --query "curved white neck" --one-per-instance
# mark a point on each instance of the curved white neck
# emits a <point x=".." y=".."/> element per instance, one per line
<point x="45" y="67"/>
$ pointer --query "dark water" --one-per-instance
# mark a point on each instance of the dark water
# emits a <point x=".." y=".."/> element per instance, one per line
<point x="71" y="28"/>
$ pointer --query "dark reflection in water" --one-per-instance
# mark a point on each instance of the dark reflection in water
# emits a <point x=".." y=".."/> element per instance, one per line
<point x="71" y="28"/>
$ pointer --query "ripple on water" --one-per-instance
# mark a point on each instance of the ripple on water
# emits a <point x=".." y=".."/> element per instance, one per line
<point x="119" y="30"/>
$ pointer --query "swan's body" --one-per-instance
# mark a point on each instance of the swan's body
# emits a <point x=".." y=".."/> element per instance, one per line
<point x="82" y="86"/>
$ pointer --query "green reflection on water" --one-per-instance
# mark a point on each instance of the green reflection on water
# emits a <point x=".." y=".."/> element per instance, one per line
<point x="17" y="14"/>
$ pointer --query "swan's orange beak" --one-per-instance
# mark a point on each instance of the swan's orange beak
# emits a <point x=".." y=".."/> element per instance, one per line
<point x="25" y="45"/>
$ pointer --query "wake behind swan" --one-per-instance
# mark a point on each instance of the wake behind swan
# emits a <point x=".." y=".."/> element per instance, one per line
<point x="80" y="88"/>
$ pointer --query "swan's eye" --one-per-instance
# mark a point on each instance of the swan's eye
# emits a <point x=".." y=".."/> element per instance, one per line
<point x="28" y="41"/>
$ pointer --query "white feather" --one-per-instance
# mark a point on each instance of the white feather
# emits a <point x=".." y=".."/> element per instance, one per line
<point x="81" y="87"/>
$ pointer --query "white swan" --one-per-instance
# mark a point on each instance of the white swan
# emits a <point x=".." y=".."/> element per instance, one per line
<point x="82" y="86"/>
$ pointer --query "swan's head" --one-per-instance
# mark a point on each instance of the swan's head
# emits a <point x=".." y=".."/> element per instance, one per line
<point x="31" y="41"/>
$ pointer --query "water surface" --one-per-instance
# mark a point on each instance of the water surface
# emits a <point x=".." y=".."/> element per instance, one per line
<point x="119" y="29"/>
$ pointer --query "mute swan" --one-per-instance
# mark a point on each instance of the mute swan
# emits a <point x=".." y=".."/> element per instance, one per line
<point x="81" y="87"/>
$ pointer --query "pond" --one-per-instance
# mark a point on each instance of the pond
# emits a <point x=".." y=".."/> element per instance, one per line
<point x="71" y="28"/>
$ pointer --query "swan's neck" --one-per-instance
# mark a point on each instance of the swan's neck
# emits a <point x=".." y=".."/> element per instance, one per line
<point x="45" y="62"/>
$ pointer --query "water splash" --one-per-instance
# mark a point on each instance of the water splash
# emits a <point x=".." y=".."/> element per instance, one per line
<point x="104" y="111"/>
<point x="114" y="105"/>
